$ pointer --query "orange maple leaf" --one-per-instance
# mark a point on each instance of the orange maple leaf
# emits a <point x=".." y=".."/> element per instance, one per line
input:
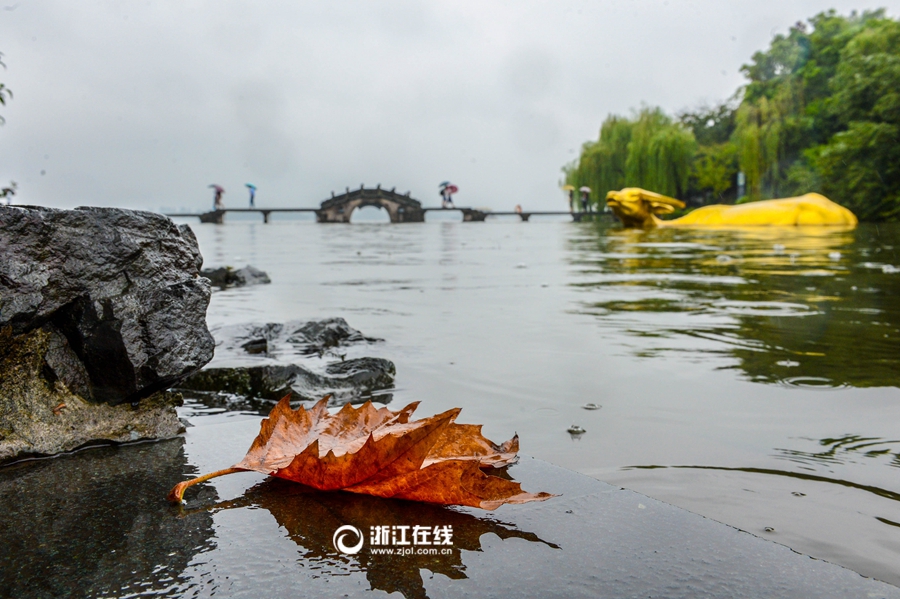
<point x="376" y="451"/>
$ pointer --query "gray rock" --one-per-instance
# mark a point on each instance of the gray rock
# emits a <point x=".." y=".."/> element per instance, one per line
<point x="41" y="415"/>
<point x="229" y="277"/>
<point x="319" y="335"/>
<point x="351" y="381"/>
<point x="116" y="291"/>
<point x="258" y="364"/>
<point x="291" y="339"/>
<point x="364" y="373"/>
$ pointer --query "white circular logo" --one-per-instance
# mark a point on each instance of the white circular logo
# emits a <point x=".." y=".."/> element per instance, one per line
<point x="341" y="533"/>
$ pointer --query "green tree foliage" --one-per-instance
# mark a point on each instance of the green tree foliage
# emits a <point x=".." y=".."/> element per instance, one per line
<point x="714" y="170"/>
<point x="649" y="150"/>
<point x="5" y="92"/>
<point x="758" y="135"/>
<point x="811" y="118"/>
<point x="820" y="112"/>
<point x="712" y="125"/>
<point x="861" y="164"/>
<point x="601" y="165"/>
<point x="713" y="173"/>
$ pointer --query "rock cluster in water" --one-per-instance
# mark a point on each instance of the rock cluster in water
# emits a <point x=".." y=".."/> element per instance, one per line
<point x="267" y="368"/>
<point x="100" y="308"/>
<point x="227" y="276"/>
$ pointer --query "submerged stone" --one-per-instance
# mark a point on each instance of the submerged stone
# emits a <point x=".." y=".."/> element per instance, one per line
<point x="319" y="335"/>
<point x="348" y="382"/>
<point x="227" y="276"/>
<point x="295" y="338"/>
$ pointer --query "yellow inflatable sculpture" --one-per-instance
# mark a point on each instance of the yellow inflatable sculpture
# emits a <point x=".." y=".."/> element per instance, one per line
<point x="637" y="207"/>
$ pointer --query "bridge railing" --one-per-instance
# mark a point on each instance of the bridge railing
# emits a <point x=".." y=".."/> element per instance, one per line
<point x="469" y="214"/>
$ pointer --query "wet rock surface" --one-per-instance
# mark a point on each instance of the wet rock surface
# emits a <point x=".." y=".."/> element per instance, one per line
<point x="121" y="287"/>
<point x="41" y="415"/>
<point x="289" y="339"/>
<point x="358" y="381"/>
<point x="319" y="335"/>
<point x="227" y="276"/>
<point x="258" y="364"/>
<point x="101" y="311"/>
<point x="94" y="524"/>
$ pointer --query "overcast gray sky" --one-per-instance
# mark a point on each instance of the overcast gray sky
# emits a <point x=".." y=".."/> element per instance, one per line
<point x="144" y="104"/>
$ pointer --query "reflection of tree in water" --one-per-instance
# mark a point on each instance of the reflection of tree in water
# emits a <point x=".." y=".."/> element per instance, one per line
<point x="94" y="524"/>
<point x="311" y="517"/>
<point x="846" y="449"/>
<point x="801" y="306"/>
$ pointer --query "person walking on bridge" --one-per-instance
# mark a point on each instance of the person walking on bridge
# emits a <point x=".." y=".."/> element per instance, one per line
<point x="447" y="191"/>
<point x="570" y="192"/>
<point x="252" y="188"/>
<point x="585" y="198"/>
<point x="217" y="199"/>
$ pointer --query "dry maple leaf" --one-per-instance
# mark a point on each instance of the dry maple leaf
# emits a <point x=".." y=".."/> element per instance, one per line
<point x="379" y="452"/>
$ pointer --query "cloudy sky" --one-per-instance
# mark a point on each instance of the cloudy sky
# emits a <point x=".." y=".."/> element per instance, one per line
<point x="144" y="104"/>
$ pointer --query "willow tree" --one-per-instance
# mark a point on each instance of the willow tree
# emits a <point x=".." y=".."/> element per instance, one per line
<point x="758" y="138"/>
<point x="660" y="154"/>
<point x="650" y="151"/>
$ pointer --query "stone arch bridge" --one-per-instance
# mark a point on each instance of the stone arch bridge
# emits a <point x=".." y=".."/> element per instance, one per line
<point x="400" y="208"/>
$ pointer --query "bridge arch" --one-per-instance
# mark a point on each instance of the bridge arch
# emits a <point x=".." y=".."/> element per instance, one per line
<point x="400" y="208"/>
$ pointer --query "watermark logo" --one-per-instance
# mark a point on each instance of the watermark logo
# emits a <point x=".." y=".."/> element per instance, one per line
<point x="341" y="537"/>
<point x="397" y="539"/>
<point x="401" y="536"/>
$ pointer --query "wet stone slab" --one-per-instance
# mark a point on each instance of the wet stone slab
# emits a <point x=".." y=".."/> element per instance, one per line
<point x="96" y="524"/>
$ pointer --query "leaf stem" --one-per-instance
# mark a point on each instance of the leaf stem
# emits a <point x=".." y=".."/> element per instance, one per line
<point x="177" y="492"/>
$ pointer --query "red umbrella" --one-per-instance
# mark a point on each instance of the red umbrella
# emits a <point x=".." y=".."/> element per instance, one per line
<point x="452" y="189"/>
<point x="218" y="188"/>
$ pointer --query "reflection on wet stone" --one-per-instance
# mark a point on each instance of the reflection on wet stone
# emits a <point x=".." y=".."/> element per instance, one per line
<point x="311" y="518"/>
<point x="95" y="524"/>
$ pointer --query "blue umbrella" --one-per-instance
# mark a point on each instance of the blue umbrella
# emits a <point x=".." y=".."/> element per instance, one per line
<point x="251" y="186"/>
<point x="444" y="184"/>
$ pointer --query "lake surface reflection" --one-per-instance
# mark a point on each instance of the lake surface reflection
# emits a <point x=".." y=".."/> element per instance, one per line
<point x="750" y="375"/>
<point x="813" y="307"/>
<point x="310" y="519"/>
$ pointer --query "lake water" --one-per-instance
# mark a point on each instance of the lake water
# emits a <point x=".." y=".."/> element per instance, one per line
<point x="747" y="375"/>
